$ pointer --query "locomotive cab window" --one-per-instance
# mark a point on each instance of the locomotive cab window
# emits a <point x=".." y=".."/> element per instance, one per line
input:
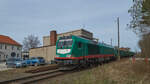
<point x="79" y="45"/>
<point x="66" y="43"/>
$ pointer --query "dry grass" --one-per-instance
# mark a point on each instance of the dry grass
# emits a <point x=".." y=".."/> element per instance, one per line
<point x="120" y="72"/>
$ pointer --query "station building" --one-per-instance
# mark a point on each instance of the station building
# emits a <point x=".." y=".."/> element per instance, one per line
<point x="9" y="48"/>
<point x="48" y="50"/>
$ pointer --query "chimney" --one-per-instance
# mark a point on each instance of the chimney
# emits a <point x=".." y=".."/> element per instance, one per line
<point x="53" y="37"/>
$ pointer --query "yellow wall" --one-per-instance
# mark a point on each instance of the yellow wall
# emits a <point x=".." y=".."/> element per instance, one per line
<point x="48" y="52"/>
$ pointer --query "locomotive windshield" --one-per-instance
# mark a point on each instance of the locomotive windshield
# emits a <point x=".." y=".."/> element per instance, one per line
<point x="65" y="43"/>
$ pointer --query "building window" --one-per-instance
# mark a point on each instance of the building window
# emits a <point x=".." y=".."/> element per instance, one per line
<point x="13" y="54"/>
<point x="17" y="55"/>
<point x="0" y="46"/>
<point x="18" y="48"/>
<point x="5" y="47"/>
<point x="12" y="47"/>
<point x="6" y="56"/>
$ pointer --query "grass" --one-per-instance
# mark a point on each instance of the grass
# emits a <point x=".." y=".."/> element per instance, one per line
<point x="119" y="72"/>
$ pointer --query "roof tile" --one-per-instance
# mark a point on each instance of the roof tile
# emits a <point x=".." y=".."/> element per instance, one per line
<point x="8" y="40"/>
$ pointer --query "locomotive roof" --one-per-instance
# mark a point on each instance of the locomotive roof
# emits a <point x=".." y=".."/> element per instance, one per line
<point x="84" y="39"/>
<point x="94" y="42"/>
<point x="81" y="39"/>
<point x="104" y="44"/>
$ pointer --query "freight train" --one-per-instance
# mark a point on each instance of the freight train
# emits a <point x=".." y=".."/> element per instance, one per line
<point x="74" y="51"/>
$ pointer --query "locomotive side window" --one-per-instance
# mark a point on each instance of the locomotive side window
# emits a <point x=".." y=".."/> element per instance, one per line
<point x="79" y="45"/>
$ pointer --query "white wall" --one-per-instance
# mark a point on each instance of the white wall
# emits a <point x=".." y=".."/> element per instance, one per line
<point x="6" y="50"/>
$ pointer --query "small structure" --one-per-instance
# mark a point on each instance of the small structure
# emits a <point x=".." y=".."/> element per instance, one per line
<point x="125" y="49"/>
<point x="25" y="55"/>
<point x="9" y="48"/>
<point x="48" y="50"/>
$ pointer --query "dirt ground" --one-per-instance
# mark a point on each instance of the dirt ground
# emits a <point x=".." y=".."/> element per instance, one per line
<point x="16" y="72"/>
<point x="118" y="72"/>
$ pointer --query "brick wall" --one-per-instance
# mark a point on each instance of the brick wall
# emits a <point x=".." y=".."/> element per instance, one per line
<point x="53" y="38"/>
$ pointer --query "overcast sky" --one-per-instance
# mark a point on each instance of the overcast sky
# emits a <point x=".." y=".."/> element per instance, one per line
<point x="20" y="18"/>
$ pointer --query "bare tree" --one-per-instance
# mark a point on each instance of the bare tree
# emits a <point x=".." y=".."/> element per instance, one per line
<point x="30" y="41"/>
<point x="140" y="23"/>
<point x="140" y="16"/>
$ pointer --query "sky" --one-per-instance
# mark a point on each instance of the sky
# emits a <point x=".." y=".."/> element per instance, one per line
<point x="20" y="18"/>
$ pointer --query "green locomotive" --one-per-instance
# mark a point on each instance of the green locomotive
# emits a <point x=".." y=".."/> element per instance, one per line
<point x="73" y="51"/>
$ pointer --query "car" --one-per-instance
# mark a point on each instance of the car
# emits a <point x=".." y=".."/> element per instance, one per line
<point x="35" y="61"/>
<point x="52" y="62"/>
<point x="28" y="62"/>
<point x="15" y="63"/>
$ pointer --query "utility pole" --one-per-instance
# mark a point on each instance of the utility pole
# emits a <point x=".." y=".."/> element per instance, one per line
<point x="111" y="41"/>
<point x="118" y="38"/>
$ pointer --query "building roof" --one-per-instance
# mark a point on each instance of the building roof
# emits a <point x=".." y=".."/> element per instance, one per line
<point x="76" y="31"/>
<point x="43" y="46"/>
<point x="8" y="40"/>
<point x="70" y="32"/>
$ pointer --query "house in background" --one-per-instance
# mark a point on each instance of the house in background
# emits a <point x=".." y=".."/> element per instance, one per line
<point x="9" y="48"/>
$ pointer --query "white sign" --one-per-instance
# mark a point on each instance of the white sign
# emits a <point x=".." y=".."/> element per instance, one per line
<point x="63" y="51"/>
<point x="65" y="40"/>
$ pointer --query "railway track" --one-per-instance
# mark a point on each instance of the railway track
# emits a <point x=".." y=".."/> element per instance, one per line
<point x="34" y="77"/>
<point x="38" y="76"/>
<point x="42" y="69"/>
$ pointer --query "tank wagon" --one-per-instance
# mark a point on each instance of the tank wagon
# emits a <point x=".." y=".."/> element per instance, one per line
<point x="73" y="51"/>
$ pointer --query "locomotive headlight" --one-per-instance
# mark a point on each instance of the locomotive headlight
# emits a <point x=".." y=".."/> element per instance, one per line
<point x="68" y="55"/>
